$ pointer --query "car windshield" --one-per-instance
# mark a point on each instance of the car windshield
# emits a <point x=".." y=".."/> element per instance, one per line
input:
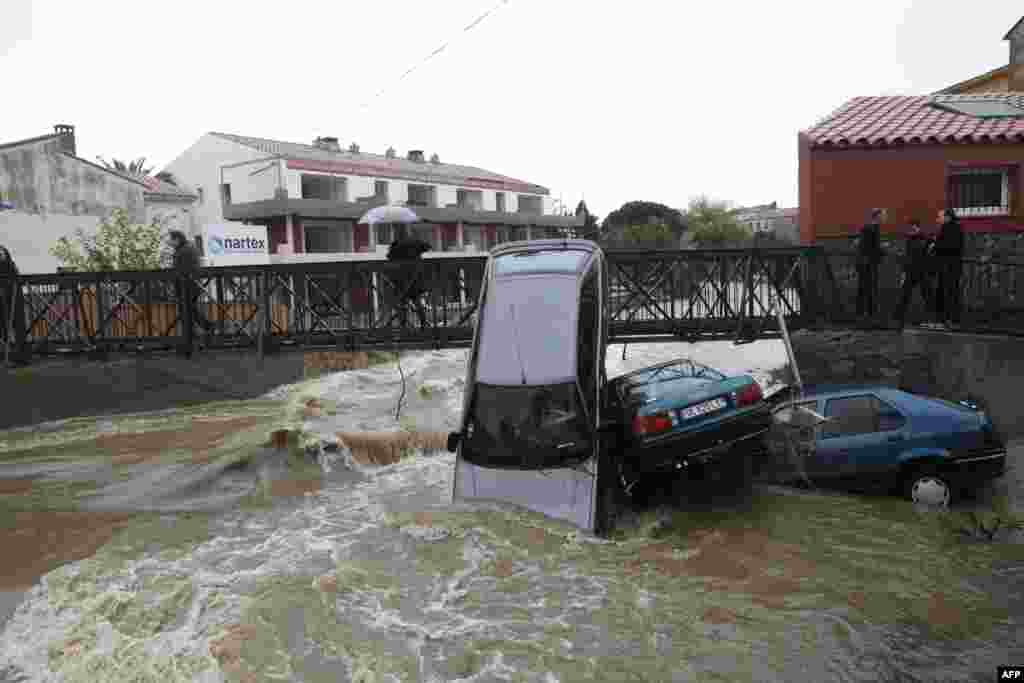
<point x="526" y="422"/>
<point x="669" y="381"/>
<point x="540" y="261"/>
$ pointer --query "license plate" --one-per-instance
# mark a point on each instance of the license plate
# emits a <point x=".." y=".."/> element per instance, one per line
<point x="703" y="408"/>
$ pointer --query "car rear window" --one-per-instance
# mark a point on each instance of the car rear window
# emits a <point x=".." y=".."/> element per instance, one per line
<point x="551" y="261"/>
<point x="666" y="382"/>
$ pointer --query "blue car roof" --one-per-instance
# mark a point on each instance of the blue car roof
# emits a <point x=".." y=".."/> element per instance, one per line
<point x="821" y="390"/>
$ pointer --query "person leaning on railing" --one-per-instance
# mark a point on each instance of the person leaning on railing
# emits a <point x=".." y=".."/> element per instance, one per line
<point x="869" y="256"/>
<point x="949" y="255"/>
<point x="12" y="304"/>
<point x="186" y="264"/>
<point x="915" y="270"/>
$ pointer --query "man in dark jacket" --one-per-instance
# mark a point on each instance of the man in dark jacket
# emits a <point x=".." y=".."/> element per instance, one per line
<point x="186" y="263"/>
<point x="915" y="269"/>
<point x="408" y="250"/>
<point x="949" y="254"/>
<point x="11" y="302"/>
<point x="869" y="255"/>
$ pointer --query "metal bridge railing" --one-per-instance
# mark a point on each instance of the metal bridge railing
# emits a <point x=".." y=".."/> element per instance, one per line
<point x="654" y="295"/>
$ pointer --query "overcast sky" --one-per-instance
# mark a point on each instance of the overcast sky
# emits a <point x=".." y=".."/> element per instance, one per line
<point x="612" y="101"/>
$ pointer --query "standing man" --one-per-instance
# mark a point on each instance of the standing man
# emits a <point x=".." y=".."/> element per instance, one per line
<point x="408" y="250"/>
<point x="186" y="263"/>
<point x="12" y="305"/>
<point x="949" y="255"/>
<point x="915" y="269"/>
<point x="869" y="255"/>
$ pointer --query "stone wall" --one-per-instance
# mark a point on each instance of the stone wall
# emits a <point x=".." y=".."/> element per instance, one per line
<point x="41" y="180"/>
<point x="945" y="365"/>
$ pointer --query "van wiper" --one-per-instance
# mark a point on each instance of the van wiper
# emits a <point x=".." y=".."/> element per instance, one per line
<point x="519" y="352"/>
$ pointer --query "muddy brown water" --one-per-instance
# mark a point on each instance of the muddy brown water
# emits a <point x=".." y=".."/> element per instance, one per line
<point x="204" y="550"/>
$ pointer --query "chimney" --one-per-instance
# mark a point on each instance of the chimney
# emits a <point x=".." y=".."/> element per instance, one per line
<point x="1016" y="39"/>
<point x="390" y="154"/>
<point x="354" y="148"/>
<point x="435" y="159"/>
<point x="66" y="143"/>
<point x="329" y="144"/>
<point x="416" y="155"/>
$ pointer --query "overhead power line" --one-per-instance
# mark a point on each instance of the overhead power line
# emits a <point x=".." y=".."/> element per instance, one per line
<point x="469" y="27"/>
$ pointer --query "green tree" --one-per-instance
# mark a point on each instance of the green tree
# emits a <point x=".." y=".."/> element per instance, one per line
<point x="712" y="223"/>
<point x="135" y="168"/>
<point x="646" y="213"/>
<point x="649" y="235"/>
<point x="118" y="244"/>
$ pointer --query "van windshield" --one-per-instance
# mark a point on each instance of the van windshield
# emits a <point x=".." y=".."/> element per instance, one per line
<point x="526" y="427"/>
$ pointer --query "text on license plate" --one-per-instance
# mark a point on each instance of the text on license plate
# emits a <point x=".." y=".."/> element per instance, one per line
<point x="703" y="408"/>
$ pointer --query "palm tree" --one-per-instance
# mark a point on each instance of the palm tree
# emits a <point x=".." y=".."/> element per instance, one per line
<point x="136" y="168"/>
<point x="167" y="177"/>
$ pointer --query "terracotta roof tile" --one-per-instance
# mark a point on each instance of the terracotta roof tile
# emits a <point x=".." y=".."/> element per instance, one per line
<point x="875" y="121"/>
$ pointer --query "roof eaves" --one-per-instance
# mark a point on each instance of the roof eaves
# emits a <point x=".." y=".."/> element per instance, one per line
<point x="112" y="172"/>
<point x="994" y="73"/>
<point x="28" y="141"/>
<point x="1013" y="28"/>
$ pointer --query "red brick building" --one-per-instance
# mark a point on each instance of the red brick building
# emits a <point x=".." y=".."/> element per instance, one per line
<point x="960" y="148"/>
<point x="914" y="156"/>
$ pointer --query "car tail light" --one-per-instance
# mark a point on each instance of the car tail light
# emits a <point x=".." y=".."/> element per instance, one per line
<point x="652" y="424"/>
<point x="749" y="395"/>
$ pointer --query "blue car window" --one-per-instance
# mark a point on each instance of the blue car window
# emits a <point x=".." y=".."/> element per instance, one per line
<point x="850" y="416"/>
<point x="889" y="418"/>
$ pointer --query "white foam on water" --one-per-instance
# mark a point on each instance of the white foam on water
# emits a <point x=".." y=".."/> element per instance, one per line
<point x="341" y="522"/>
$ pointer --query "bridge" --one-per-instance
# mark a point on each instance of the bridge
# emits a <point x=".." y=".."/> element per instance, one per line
<point x="687" y="295"/>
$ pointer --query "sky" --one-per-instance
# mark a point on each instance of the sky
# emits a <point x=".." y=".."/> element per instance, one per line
<point x="608" y="101"/>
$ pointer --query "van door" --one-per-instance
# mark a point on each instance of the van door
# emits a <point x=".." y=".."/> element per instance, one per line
<point x="588" y="347"/>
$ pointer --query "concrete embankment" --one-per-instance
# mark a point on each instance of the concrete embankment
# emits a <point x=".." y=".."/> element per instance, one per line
<point x="65" y="388"/>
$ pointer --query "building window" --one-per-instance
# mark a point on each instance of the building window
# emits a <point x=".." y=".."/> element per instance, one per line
<point x="199" y="191"/>
<point x="469" y="199"/>
<point x="499" y="202"/>
<point x="329" y="188"/>
<point x="199" y="244"/>
<point x="380" y="190"/>
<point x="225" y="192"/>
<point x="421" y="195"/>
<point x="327" y="237"/>
<point x="980" y="192"/>
<point x="530" y="205"/>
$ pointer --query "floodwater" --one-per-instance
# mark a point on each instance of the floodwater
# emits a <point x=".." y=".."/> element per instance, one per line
<point x="222" y="543"/>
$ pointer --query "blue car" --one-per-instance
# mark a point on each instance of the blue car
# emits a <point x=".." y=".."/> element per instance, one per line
<point x="687" y="417"/>
<point x="929" y="448"/>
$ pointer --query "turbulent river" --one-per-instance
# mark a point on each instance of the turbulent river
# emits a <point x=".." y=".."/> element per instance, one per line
<point x="188" y="545"/>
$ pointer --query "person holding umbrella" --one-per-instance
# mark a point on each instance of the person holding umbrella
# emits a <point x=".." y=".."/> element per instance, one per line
<point x="409" y="250"/>
<point x="405" y="249"/>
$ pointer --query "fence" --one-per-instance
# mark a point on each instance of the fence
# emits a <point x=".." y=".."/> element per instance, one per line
<point x="688" y="294"/>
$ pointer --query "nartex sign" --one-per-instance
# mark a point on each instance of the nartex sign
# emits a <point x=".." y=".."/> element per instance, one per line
<point x="236" y="245"/>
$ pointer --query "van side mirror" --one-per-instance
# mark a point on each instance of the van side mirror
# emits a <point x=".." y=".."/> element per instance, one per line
<point x="454" y="439"/>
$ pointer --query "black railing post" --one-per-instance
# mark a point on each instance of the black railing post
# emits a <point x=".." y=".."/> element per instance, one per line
<point x="266" y="336"/>
<point x="99" y="350"/>
<point x="185" y="315"/>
